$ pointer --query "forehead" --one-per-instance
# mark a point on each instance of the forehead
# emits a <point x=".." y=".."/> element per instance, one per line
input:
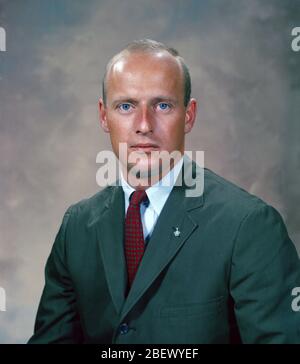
<point x="140" y="72"/>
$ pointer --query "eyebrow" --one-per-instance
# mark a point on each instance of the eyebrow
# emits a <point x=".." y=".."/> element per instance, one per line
<point x="125" y="99"/>
<point x="165" y="99"/>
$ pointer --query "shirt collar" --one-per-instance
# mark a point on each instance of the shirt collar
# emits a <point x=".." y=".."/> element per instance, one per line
<point x="159" y="192"/>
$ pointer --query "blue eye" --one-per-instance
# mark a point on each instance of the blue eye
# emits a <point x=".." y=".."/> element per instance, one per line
<point x="124" y="107"/>
<point x="163" y="106"/>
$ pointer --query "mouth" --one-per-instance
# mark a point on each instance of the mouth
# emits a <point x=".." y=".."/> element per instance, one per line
<point x="146" y="147"/>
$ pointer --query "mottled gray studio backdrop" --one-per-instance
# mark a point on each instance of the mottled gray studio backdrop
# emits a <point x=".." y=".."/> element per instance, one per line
<point x="245" y="77"/>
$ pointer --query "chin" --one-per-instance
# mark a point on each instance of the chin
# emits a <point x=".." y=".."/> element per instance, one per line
<point x="145" y="168"/>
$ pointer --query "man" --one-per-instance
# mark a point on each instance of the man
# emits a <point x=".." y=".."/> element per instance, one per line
<point x="146" y="263"/>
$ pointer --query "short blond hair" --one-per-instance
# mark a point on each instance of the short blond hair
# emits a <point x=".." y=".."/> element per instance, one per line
<point x="150" y="46"/>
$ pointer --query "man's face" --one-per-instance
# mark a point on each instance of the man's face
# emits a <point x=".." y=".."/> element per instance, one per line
<point x="145" y="106"/>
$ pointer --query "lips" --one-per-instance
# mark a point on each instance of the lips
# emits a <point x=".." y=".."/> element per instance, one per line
<point x="145" y="147"/>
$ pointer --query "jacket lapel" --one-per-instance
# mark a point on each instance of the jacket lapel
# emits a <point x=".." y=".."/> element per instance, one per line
<point x="162" y="247"/>
<point x="110" y="229"/>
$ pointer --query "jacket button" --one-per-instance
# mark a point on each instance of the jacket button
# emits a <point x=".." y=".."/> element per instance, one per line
<point x="123" y="329"/>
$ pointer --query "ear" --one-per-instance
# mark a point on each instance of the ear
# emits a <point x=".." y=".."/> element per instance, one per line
<point x="103" y="116"/>
<point x="190" y="115"/>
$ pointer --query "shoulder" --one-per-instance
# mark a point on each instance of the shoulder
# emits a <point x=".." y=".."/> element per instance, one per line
<point x="234" y="204"/>
<point x="89" y="209"/>
<point x="255" y="224"/>
<point x="218" y="193"/>
<point x="223" y="193"/>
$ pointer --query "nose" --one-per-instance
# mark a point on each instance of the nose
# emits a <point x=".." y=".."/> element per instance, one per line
<point x="144" y="122"/>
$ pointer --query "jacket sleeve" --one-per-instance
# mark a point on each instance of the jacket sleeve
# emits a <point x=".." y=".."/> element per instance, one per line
<point x="57" y="319"/>
<point x="265" y="269"/>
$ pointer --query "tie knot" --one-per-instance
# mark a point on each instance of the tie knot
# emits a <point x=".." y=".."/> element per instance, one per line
<point x="137" y="197"/>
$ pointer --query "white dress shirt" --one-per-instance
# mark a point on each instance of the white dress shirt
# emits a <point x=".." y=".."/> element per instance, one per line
<point x="157" y="195"/>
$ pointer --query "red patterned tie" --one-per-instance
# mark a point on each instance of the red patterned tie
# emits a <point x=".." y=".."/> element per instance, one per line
<point x="134" y="238"/>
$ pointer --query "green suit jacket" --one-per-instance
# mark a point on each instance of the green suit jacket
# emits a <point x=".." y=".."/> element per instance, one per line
<point x="227" y="277"/>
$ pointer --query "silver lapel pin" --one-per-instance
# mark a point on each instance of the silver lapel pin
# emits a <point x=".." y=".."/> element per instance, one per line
<point x="176" y="232"/>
